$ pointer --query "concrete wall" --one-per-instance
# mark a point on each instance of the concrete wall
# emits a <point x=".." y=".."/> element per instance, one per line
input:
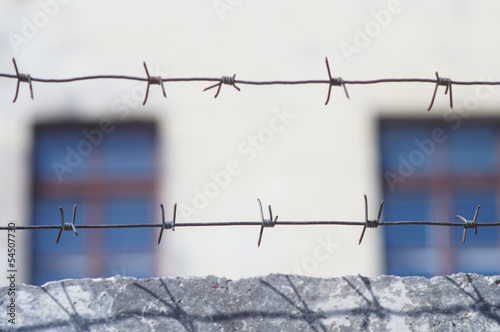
<point x="461" y="302"/>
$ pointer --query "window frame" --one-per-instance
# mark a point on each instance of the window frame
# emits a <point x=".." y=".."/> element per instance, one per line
<point x="94" y="189"/>
<point x="442" y="182"/>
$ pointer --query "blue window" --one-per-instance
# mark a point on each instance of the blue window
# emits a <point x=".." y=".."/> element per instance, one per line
<point x="437" y="172"/>
<point x="406" y="245"/>
<point x="474" y="148"/>
<point x="127" y="142"/>
<point x="110" y="175"/>
<point x="399" y="146"/>
<point x="50" y="261"/>
<point x="56" y="155"/>
<point x="125" y="245"/>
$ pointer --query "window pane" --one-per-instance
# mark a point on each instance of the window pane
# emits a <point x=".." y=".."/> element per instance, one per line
<point x="473" y="148"/>
<point x="53" y="261"/>
<point x="129" y="250"/>
<point x="130" y="151"/>
<point x="399" y="145"/>
<point x="406" y="206"/>
<point x="133" y="210"/>
<point x="407" y="247"/>
<point x="56" y="154"/>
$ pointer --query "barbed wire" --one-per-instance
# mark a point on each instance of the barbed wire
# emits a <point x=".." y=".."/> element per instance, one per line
<point x="264" y="223"/>
<point x="232" y="81"/>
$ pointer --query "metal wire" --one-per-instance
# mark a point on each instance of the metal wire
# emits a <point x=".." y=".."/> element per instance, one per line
<point x="231" y="80"/>
<point x="257" y="223"/>
<point x="272" y="222"/>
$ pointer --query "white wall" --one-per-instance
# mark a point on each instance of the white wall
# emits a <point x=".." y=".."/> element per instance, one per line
<point x="317" y="167"/>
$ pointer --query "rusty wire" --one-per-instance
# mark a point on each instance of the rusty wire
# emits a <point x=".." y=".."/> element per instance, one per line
<point x="232" y="81"/>
<point x="264" y="223"/>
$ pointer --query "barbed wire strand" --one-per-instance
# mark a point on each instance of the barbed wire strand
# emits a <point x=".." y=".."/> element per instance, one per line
<point x="468" y="224"/>
<point x="231" y="80"/>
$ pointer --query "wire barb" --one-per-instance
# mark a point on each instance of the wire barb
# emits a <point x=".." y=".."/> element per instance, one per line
<point x="469" y="223"/>
<point x="444" y="82"/>
<point x="153" y="80"/>
<point x="21" y="78"/>
<point x="265" y="222"/>
<point x="334" y="82"/>
<point x="67" y="226"/>
<point x="167" y="224"/>
<point x="224" y="80"/>
<point x="370" y="223"/>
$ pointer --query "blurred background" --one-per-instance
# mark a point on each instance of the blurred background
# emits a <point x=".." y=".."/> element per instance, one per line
<point x="94" y="144"/>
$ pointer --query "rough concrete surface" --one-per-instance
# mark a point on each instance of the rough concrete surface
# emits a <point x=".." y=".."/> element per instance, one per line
<point x="461" y="302"/>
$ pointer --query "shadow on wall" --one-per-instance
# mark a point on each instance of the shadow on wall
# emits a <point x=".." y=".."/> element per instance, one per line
<point x="271" y="303"/>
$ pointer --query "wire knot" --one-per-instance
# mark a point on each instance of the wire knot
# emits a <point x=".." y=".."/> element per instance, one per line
<point x="167" y="224"/>
<point x="229" y="80"/>
<point x="22" y="78"/>
<point x="334" y="81"/>
<point x="268" y="223"/>
<point x="370" y="223"/>
<point x="66" y="226"/>
<point x="443" y="82"/>
<point x="265" y="222"/>
<point x="469" y="224"/>
<point x="157" y="80"/>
